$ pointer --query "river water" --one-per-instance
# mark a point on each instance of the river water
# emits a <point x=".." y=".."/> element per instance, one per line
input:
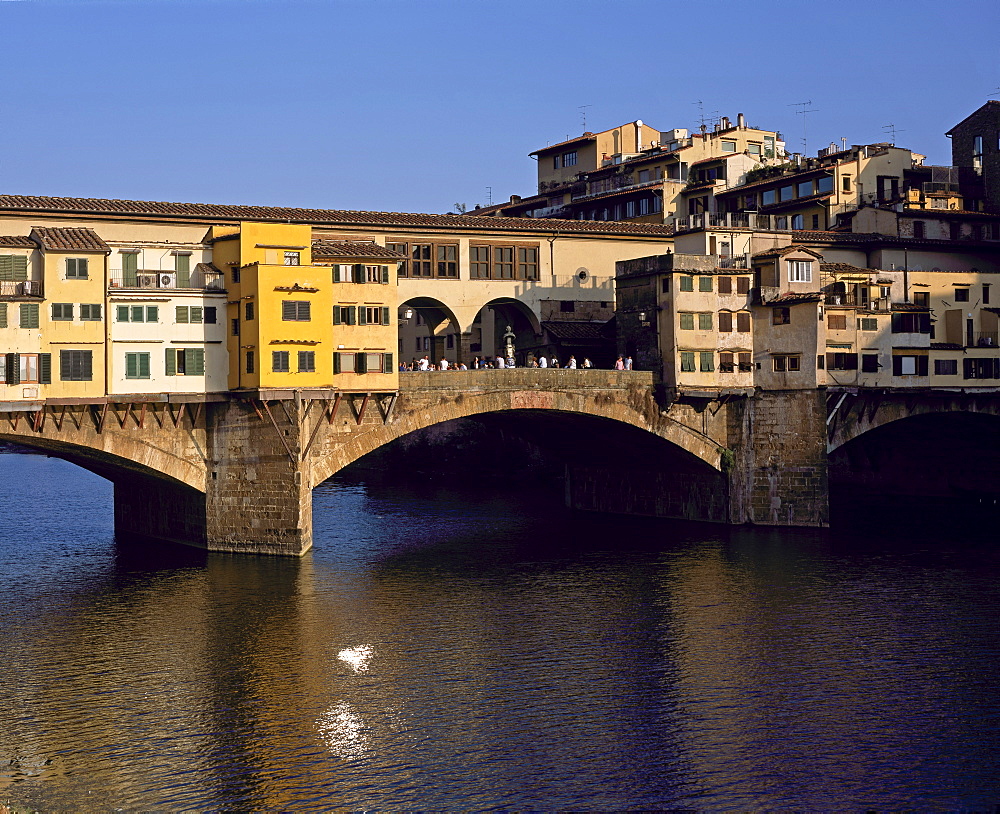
<point x="461" y="648"/>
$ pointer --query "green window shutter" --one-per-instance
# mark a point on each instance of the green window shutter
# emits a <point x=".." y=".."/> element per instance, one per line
<point x="20" y="267"/>
<point x="182" y="315"/>
<point x="121" y="312"/>
<point x="387" y="366"/>
<point x="171" y="363"/>
<point x="336" y="315"/>
<point x="13" y="368"/>
<point x="352" y="312"/>
<point x="361" y="365"/>
<point x="194" y="362"/>
<point x="138" y="313"/>
<point x="88" y="365"/>
<point x="385" y="274"/>
<point x="182" y="265"/>
<point x="3" y="315"/>
<point x="336" y="363"/>
<point x="29" y="315"/>
<point x="362" y="315"/>
<point x="45" y="368"/>
<point x="130" y="265"/>
<point x="152" y="313"/>
<point x="143" y="365"/>
<point x="359" y="273"/>
<point x="131" y="365"/>
<point x="6" y="267"/>
<point x="385" y="315"/>
<point x="288" y="310"/>
<point x="196" y="315"/>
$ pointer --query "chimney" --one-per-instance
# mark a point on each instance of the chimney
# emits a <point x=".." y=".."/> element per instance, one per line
<point x="717" y="127"/>
<point x="740" y="120"/>
<point x="725" y="122"/>
<point x="797" y="158"/>
<point x="638" y="135"/>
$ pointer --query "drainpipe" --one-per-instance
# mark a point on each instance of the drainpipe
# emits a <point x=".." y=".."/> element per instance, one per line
<point x="906" y="275"/>
<point x="552" y="255"/>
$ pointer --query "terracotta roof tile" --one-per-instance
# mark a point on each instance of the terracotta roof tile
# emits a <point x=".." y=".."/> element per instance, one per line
<point x="17" y="242"/>
<point x="71" y="239"/>
<point x="846" y="268"/>
<point x="352" y="248"/>
<point x="213" y="213"/>
<point x="794" y="299"/>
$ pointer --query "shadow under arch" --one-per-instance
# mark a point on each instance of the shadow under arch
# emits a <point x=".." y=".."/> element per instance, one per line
<point x="428" y="321"/>
<point x="492" y="322"/>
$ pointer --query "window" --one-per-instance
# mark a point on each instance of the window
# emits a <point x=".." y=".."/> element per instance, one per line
<point x="687" y="322"/>
<point x="768" y="196"/>
<point x="781" y="316"/>
<point x="295" y="310"/>
<point x="420" y="259"/>
<point x="868" y="324"/>
<point x="909" y="365"/>
<point x="250" y="361"/>
<point x="13" y="267"/>
<point x="569" y="159"/>
<point x="373" y="315"/>
<point x="345" y="362"/>
<point x="279" y="361"/>
<point x="846" y="181"/>
<point x="725" y="285"/>
<point x="236" y="274"/>
<point x="687" y="284"/>
<point x="567" y="306"/>
<point x="235" y="326"/>
<point x="189" y="314"/>
<point x="380" y="274"/>
<point x="292" y="258"/>
<point x="62" y="311"/>
<point x="447" y="261"/>
<point x="753" y="149"/>
<point x="804" y="189"/>
<point x="28" y="368"/>
<point x="961" y="295"/>
<point x="629" y="209"/>
<point x="706" y="361"/>
<point x="726" y="362"/>
<point x="781" y="222"/>
<point x="479" y="262"/>
<point x="187" y="362"/>
<point x="503" y="263"/>
<point x="399" y="248"/>
<point x="977" y="153"/>
<point x="527" y="263"/>
<point x="841" y="361"/>
<point x="946" y="367"/>
<point x="90" y="312"/>
<point x="908" y="322"/>
<point x="644" y="206"/>
<point x="643" y="176"/>
<point x="789" y="363"/>
<point x="704" y="322"/>
<point x="3" y="322"/>
<point x="800" y="271"/>
<point x="815" y="221"/>
<point x="725" y="321"/>
<point x="836" y="322"/>
<point x="75" y="366"/>
<point x="704" y="283"/>
<point x="76" y="268"/>
<point x="742" y="285"/>
<point x="345" y="314"/>
<point x="136" y="313"/>
<point x="182" y="265"/>
<point x="687" y="361"/>
<point x="922" y="298"/>
<point x="986" y="293"/>
<point x="29" y="315"/>
<point x="869" y="363"/>
<point x="374" y="362"/>
<point x="798" y="222"/>
<point x="743" y="322"/>
<point x="307" y="361"/>
<point x="786" y="193"/>
<point x="136" y="365"/>
<point x="824" y="184"/>
<point x="728" y="146"/>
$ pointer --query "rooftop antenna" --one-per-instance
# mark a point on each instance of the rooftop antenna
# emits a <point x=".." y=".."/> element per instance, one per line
<point x="805" y="109"/>
<point x="891" y="130"/>
<point x="701" y="112"/>
<point x="995" y="93"/>
<point x="489" y="195"/>
<point x="583" y="115"/>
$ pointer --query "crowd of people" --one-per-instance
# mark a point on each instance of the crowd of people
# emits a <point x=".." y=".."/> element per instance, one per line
<point x="501" y="363"/>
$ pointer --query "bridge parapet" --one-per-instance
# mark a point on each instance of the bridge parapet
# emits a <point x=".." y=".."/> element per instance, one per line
<point x="525" y="378"/>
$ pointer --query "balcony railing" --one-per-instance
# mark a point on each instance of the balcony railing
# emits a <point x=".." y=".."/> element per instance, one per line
<point x="20" y="288"/>
<point x="739" y="261"/>
<point x="986" y="339"/>
<point x="146" y="279"/>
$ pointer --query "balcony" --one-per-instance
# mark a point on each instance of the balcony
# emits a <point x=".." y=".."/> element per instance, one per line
<point x="739" y="261"/>
<point x="20" y="288"/>
<point x="200" y="279"/>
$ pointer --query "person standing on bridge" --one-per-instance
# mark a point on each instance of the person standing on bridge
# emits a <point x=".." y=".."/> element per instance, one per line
<point x="619" y="364"/>
<point x="500" y="362"/>
<point x="444" y="363"/>
<point x="543" y="362"/>
<point x="425" y="363"/>
<point x="628" y="362"/>
<point x="587" y="364"/>
<point x="572" y="363"/>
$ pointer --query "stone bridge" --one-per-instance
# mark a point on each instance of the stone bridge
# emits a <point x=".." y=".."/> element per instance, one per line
<point x="235" y="472"/>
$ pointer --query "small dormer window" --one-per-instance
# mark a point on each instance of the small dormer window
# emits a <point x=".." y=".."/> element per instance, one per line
<point x="800" y="271"/>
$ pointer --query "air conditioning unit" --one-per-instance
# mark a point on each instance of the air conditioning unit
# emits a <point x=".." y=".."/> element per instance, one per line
<point x="147" y="280"/>
<point x="168" y="280"/>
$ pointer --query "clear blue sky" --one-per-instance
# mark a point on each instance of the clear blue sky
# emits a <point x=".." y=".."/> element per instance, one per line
<point x="414" y="105"/>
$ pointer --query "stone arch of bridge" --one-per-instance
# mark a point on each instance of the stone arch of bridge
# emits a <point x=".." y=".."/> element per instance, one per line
<point x="864" y="417"/>
<point x="114" y="456"/>
<point x="328" y="460"/>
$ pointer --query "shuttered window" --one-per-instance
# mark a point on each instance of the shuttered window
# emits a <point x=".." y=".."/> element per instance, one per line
<point x="90" y="312"/>
<point x="182" y="265"/>
<point x="189" y="315"/>
<point x="295" y="310"/>
<point x="29" y="315"/>
<point x="279" y="361"/>
<point x="130" y="267"/>
<point x="705" y="320"/>
<point x="743" y="321"/>
<point x="13" y="267"/>
<point x="841" y="361"/>
<point x="687" y="361"/>
<point x="62" y="311"/>
<point x="3" y="315"/>
<point x="836" y="322"/>
<point x="307" y="361"/>
<point x="76" y="268"/>
<point x="706" y="361"/>
<point x="725" y="321"/>
<point x="75" y="365"/>
<point x="343" y="362"/>
<point x="136" y="365"/>
<point x="725" y="285"/>
<point x="185" y="362"/>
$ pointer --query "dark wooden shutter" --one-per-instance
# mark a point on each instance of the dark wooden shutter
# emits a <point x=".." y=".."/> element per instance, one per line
<point x="385" y="315"/>
<point x="925" y="323"/>
<point x="922" y="365"/>
<point x="361" y="363"/>
<point x="210" y="314"/>
<point x="336" y="363"/>
<point x="359" y="272"/>
<point x="850" y="361"/>
<point x="385" y="274"/>
<point x="352" y="314"/>
<point x="387" y="363"/>
<point x="86" y="365"/>
<point x="831" y="361"/>
<point x="897" y="362"/>
<point x="336" y="315"/>
<point x="13" y="368"/>
<point x="362" y="315"/>
<point x="288" y="310"/>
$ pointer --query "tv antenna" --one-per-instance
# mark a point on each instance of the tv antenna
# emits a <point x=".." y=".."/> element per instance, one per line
<point x="489" y="196"/>
<point x="583" y="115"/>
<point x="995" y="93"/>
<point x="701" y="113"/>
<point x="805" y="109"/>
<point x="891" y="130"/>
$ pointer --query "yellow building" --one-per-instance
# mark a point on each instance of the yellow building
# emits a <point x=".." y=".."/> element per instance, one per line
<point x="296" y="323"/>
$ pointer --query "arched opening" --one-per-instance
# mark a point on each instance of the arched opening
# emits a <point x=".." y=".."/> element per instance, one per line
<point x="935" y="466"/>
<point x="508" y="328"/>
<point x="428" y="328"/>
<point x="516" y="452"/>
